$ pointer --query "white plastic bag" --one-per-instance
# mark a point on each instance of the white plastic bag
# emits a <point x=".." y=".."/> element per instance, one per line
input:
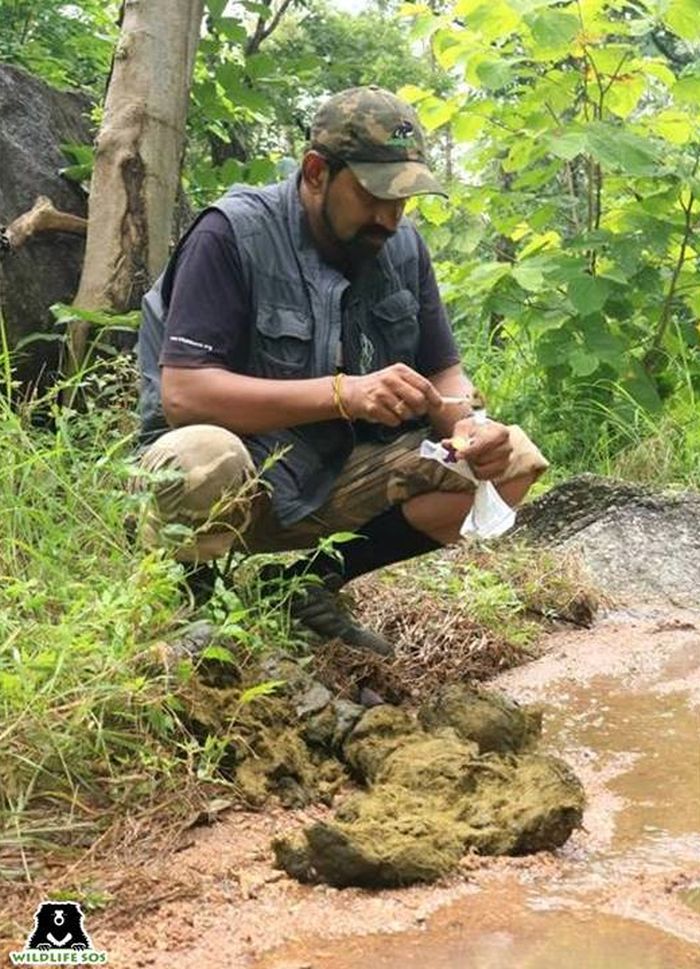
<point x="489" y="516"/>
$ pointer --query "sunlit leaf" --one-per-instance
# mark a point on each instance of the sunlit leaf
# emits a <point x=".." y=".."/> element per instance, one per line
<point x="682" y="18"/>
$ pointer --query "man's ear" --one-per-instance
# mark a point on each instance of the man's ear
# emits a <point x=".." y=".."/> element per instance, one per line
<point x="314" y="170"/>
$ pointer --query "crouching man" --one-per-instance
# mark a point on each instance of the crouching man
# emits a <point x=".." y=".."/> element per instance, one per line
<point x="304" y="318"/>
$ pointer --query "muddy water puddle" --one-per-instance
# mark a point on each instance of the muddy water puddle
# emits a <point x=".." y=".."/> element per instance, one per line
<point x="508" y="938"/>
<point x="624" y="893"/>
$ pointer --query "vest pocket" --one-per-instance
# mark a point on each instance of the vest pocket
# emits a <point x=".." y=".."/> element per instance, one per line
<point x="283" y="341"/>
<point x="395" y="320"/>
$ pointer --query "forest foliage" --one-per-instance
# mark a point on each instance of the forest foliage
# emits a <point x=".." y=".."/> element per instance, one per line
<point x="568" y="132"/>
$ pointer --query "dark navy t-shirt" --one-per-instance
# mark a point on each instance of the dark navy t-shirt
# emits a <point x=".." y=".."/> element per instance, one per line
<point x="208" y="323"/>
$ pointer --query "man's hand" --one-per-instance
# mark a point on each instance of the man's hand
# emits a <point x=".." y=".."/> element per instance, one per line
<point x="388" y="396"/>
<point x="485" y="446"/>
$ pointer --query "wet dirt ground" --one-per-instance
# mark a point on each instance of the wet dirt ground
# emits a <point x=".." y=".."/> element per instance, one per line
<point x="622" y="706"/>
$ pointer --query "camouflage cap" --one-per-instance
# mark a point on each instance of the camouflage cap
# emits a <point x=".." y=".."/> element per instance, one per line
<point x="380" y="139"/>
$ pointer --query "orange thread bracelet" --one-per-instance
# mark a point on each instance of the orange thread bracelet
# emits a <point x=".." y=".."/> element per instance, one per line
<point x="337" y="398"/>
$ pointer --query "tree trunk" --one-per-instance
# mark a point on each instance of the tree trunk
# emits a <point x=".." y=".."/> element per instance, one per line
<point x="137" y="158"/>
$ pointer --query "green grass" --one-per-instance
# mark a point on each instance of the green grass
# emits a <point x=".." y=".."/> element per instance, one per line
<point x="87" y="737"/>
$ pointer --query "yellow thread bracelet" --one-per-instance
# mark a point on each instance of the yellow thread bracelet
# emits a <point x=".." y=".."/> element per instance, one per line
<point x="337" y="398"/>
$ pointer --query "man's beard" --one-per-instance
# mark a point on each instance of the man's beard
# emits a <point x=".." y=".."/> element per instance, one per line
<point x="364" y="245"/>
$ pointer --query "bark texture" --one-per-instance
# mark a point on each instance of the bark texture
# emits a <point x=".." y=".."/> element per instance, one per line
<point x="138" y="155"/>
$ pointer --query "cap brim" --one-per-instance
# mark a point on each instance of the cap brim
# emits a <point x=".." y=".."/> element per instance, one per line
<point x="396" y="180"/>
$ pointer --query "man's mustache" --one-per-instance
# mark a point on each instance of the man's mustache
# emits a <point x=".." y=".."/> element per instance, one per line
<point x="376" y="232"/>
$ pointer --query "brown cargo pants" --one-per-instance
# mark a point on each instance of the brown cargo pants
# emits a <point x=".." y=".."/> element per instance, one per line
<point x="203" y="477"/>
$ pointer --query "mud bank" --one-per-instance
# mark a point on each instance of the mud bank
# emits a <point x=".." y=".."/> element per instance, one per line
<point x="621" y="705"/>
<point x="461" y="777"/>
<point x="461" y="774"/>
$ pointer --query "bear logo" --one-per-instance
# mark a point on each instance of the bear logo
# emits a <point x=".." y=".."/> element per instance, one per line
<point x="58" y="925"/>
<point x="403" y="131"/>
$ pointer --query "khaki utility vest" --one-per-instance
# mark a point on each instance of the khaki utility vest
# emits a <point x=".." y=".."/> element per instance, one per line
<point x="303" y="312"/>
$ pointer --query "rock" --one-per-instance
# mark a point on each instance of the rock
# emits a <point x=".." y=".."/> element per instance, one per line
<point x="522" y="804"/>
<point x="215" y="670"/>
<point x="329" y="728"/>
<point x="35" y="120"/>
<point x="380" y="731"/>
<point x="432" y="796"/>
<point x="420" y="817"/>
<point x="314" y="699"/>
<point x="638" y="544"/>
<point x="490" y="720"/>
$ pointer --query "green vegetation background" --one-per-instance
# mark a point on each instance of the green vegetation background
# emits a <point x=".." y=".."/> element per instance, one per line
<point x="569" y="135"/>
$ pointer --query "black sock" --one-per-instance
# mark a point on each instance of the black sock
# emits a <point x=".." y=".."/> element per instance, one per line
<point x="386" y="539"/>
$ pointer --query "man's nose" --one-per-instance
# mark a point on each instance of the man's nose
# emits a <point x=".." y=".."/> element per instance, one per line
<point x="388" y="213"/>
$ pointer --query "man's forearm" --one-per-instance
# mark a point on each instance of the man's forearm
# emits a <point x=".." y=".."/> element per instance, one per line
<point x="244" y="405"/>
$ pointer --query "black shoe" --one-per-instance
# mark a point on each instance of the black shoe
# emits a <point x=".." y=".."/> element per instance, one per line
<point x="200" y="581"/>
<point x="319" y="608"/>
<point x="322" y="611"/>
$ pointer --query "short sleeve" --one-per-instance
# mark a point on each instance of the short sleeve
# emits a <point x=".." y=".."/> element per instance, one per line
<point x="437" y="348"/>
<point x="209" y="308"/>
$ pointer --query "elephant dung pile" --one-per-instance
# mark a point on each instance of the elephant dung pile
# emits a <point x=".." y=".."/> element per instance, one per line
<point x="464" y="776"/>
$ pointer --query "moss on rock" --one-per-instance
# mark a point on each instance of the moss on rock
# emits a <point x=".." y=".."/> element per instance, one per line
<point x="433" y="795"/>
<point x="489" y="719"/>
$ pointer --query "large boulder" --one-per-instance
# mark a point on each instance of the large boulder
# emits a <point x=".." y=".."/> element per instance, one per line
<point x="35" y="120"/>
<point x="639" y="544"/>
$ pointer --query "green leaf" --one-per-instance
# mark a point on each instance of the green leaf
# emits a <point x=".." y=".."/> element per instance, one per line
<point x="538" y="176"/>
<point x="79" y="154"/>
<point x="338" y="538"/>
<point x="468" y="125"/>
<point x="568" y="143"/>
<point x="434" y="112"/>
<point x="599" y="341"/>
<point x="238" y="93"/>
<point x="623" y="96"/>
<point x="616" y="148"/>
<point x="588" y="293"/>
<point x="660" y="70"/>
<point x="494" y="74"/>
<point x="682" y="18"/>
<point x="582" y="363"/>
<point x="261" y="9"/>
<point x="231" y="171"/>
<point x="260" y="170"/>
<point x="435" y="209"/>
<point x="77" y="173"/>
<point x="487" y="274"/>
<point x="674" y="125"/>
<point x="101" y="318"/>
<point x="233" y="30"/>
<point x="216" y="7"/>
<point x="637" y="383"/>
<point x="553" y="32"/>
<point x="552" y="347"/>
<point x="260" y="65"/>
<point x="687" y="90"/>
<point x="522" y="153"/>
<point x="492" y="19"/>
<point x="529" y="277"/>
<point x="217" y="652"/>
<point x="413" y="94"/>
<point x="260" y="689"/>
<point x="424" y="25"/>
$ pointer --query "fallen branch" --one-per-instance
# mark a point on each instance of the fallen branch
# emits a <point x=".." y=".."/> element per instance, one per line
<point x="42" y="217"/>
